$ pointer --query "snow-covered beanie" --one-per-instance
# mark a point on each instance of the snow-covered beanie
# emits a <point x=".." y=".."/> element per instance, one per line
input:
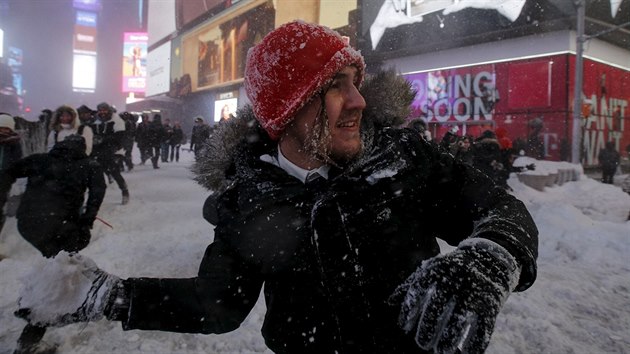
<point x="6" y="121"/>
<point x="289" y="66"/>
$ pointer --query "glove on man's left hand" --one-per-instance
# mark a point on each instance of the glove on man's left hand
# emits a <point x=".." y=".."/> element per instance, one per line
<point x="452" y="300"/>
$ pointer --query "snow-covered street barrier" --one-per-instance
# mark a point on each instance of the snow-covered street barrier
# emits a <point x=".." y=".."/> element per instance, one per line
<point x="547" y="173"/>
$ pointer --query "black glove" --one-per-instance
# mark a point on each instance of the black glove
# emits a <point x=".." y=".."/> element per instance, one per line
<point x="451" y="302"/>
<point x="530" y="167"/>
<point x="86" y="221"/>
<point x="67" y="289"/>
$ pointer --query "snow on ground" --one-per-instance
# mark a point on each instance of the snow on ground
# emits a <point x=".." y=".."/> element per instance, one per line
<point x="579" y="304"/>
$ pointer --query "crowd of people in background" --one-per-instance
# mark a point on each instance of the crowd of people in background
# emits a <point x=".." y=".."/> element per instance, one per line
<point x="492" y="151"/>
<point x="109" y="138"/>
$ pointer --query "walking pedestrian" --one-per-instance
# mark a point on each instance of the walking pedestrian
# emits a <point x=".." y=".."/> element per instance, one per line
<point x="10" y="151"/>
<point x="176" y="140"/>
<point x="608" y="161"/>
<point x="109" y="132"/>
<point x="199" y="136"/>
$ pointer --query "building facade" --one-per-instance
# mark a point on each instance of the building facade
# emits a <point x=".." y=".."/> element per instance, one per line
<point x="483" y="68"/>
<point x="508" y="64"/>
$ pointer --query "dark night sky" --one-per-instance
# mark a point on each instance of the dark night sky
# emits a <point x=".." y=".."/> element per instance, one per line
<point x="43" y="29"/>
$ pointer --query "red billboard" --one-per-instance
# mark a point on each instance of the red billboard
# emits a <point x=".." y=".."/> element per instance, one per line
<point x="531" y="99"/>
<point x="605" y="111"/>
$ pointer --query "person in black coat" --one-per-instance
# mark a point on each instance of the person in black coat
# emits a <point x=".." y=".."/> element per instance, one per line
<point x="109" y="134"/>
<point x="52" y="216"/>
<point x="142" y="139"/>
<point x="487" y="157"/>
<point x="462" y="149"/>
<point x="165" y="146"/>
<point x="608" y="162"/>
<point x="318" y="197"/>
<point x="10" y="150"/>
<point x="129" y="137"/>
<point x="176" y="140"/>
<point x="155" y="134"/>
<point x="200" y="134"/>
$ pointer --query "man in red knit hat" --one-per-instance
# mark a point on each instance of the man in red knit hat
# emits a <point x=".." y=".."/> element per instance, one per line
<point x="319" y="198"/>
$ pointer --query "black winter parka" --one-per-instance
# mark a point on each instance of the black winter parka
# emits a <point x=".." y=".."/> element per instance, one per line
<point x="330" y="256"/>
<point x="56" y="184"/>
<point x="50" y="211"/>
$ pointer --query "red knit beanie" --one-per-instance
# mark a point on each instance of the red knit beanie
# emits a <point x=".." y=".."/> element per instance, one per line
<point x="289" y="66"/>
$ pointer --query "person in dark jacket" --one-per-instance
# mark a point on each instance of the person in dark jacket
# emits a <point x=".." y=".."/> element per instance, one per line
<point x="52" y="216"/>
<point x="318" y="197"/>
<point x="165" y="146"/>
<point x="200" y="134"/>
<point x="176" y="140"/>
<point x="10" y="150"/>
<point x="109" y="133"/>
<point x="608" y="162"/>
<point x="142" y="139"/>
<point x="462" y="149"/>
<point x="155" y="134"/>
<point x="420" y="127"/>
<point x="129" y="137"/>
<point x="487" y="156"/>
<point x="86" y="115"/>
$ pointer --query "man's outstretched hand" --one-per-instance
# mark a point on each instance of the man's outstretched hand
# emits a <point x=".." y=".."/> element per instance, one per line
<point x="451" y="302"/>
<point x="67" y="289"/>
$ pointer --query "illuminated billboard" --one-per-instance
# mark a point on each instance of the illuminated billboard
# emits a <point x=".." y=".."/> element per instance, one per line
<point x="84" y="73"/>
<point x="529" y="99"/>
<point x="134" y="62"/>
<point x="90" y="5"/>
<point x="84" y="46"/>
<point x="84" y="18"/>
<point x="159" y="70"/>
<point x="225" y="109"/>
<point x="188" y="11"/>
<point x="14" y="61"/>
<point x="84" y="39"/>
<point x="215" y="52"/>
<point x="161" y="19"/>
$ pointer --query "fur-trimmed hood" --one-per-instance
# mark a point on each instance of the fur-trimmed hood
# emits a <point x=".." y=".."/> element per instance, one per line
<point x="55" y="123"/>
<point x="388" y="98"/>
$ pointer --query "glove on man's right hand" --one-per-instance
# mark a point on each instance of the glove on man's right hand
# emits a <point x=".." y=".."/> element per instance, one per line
<point x="67" y="289"/>
<point x="451" y="302"/>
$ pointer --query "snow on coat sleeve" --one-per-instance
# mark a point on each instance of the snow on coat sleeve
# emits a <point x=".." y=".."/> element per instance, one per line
<point x="216" y="301"/>
<point x="476" y="203"/>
